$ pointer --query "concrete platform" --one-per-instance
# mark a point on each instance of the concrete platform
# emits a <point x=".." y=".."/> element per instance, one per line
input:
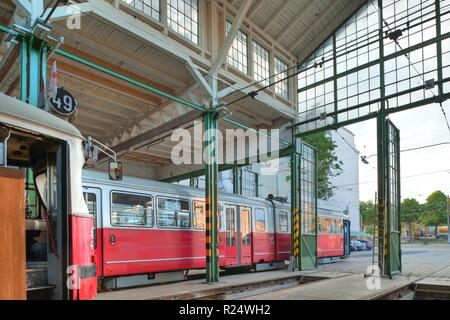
<point x="350" y="287"/>
<point x="433" y="288"/>
<point x="193" y="288"/>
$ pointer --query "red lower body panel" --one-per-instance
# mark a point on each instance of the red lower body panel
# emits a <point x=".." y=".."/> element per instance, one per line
<point x="128" y="251"/>
<point x="330" y="246"/>
<point x="84" y="280"/>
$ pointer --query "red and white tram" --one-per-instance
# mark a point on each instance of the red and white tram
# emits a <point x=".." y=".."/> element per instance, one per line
<point x="145" y="228"/>
<point x="52" y="149"/>
<point x="148" y="229"/>
<point x="333" y="234"/>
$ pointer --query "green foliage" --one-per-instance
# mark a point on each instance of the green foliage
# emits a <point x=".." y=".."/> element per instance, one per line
<point x="328" y="164"/>
<point x="435" y="210"/>
<point x="368" y="213"/>
<point x="410" y="210"/>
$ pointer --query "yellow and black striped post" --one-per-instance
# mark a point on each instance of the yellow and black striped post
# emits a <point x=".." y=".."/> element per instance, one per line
<point x="296" y="234"/>
<point x="295" y="196"/>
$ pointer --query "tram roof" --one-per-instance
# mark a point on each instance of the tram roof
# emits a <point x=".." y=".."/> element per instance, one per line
<point x="19" y="114"/>
<point x="100" y="177"/>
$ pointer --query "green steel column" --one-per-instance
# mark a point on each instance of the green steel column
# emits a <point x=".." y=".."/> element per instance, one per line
<point x="23" y="69"/>
<point x="295" y="216"/>
<point x="237" y="180"/>
<point x="381" y="152"/>
<point x="439" y="47"/>
<point x="211" y="195"/>
<point x="34" y="70"/>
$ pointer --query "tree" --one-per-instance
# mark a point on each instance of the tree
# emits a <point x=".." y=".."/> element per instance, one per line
<point x="328" y="164"/>
<point x="368" y="212"/>
<point x="409" y="213"/>
<point x="435" y="210"/>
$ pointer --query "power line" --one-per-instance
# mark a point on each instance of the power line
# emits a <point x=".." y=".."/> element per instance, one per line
<point x="404" y="177"/>
<point x="418" y="148"/>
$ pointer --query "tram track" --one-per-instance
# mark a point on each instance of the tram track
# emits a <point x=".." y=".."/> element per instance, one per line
<point x="240" y="291"/>
<point x="409" y="290"/>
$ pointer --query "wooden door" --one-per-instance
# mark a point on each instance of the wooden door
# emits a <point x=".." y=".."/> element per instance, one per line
<point x="12" y="235"/>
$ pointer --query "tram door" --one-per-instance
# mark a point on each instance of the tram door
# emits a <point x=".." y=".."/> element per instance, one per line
<point x="92" y="196"/>
<point x="245" y="249"/>
<point x="346" y="237"/>
<point x="231" y="233"/>
<point x="238" y="236"/>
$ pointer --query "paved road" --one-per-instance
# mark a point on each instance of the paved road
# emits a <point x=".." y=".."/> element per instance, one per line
<point x="417" y="259"/>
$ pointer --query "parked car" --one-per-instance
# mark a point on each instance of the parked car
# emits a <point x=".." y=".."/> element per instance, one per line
<point x="363" y="246"/>
<point x="368" y="243"/>
<point x="356" y="245"/>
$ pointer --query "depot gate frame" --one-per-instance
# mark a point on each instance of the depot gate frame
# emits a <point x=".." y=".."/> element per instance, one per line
<point x="331" y="116"/>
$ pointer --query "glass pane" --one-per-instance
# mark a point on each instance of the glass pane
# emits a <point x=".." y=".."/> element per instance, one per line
<point x="231" y="226"/>
<point x="131" y="210"/>
<point x="283" y="221"/>
<point x="245" y="226"/>
<point x="237" y="55"/>
<point x="173" y="213"/>
<point x="182" y="17"/>
<point x="260" y="220"/>
<point x="261" y="64"/>
<point x="149" y="7"/>
<point x="199" y="215"/>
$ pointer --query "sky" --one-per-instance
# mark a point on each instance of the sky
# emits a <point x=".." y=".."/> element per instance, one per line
<point x="423" y="171"/>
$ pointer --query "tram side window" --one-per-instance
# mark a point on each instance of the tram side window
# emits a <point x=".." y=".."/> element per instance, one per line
<point x="283" y="221"/>
<point x="131" y="210"/>
<point x="260" y="220"/>
<point x="173" y="213"/>
<point x="91" y="202"/>
<point x="199" y="213"/>
<point x="339" y="227"/>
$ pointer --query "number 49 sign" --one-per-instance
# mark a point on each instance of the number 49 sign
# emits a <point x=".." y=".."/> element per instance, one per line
<point x="63" y="103"/>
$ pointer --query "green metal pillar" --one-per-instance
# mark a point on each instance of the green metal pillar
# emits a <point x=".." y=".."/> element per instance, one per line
<point x="439" y="48"/>
<point x="35" y="50"/>
<point x="210" y="119"/>
<point x="33" y="68"/>
<point x="382" y="192"/>
<point x="24" y="69"/>
<point x="381" y="151"/>
<point x="237" y="180"/>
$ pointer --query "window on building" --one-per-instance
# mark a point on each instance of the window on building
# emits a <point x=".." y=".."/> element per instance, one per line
<point x="283" y="221"/>
<point x="199" y="213"/>
<point x="131" y="210"/>
<point x="182" y="17"/>
<point x="249" y="183"/>
<point x="260" y="220"/>
<point x="173" y="213"/>
<point x="237" y="55"/>
<point x="149" y="7"/>
<point x="261" y="64"/>
<point x="281" y="72"/>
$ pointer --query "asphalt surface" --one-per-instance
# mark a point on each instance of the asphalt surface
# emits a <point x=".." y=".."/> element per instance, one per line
<point x="417" y="260"/>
